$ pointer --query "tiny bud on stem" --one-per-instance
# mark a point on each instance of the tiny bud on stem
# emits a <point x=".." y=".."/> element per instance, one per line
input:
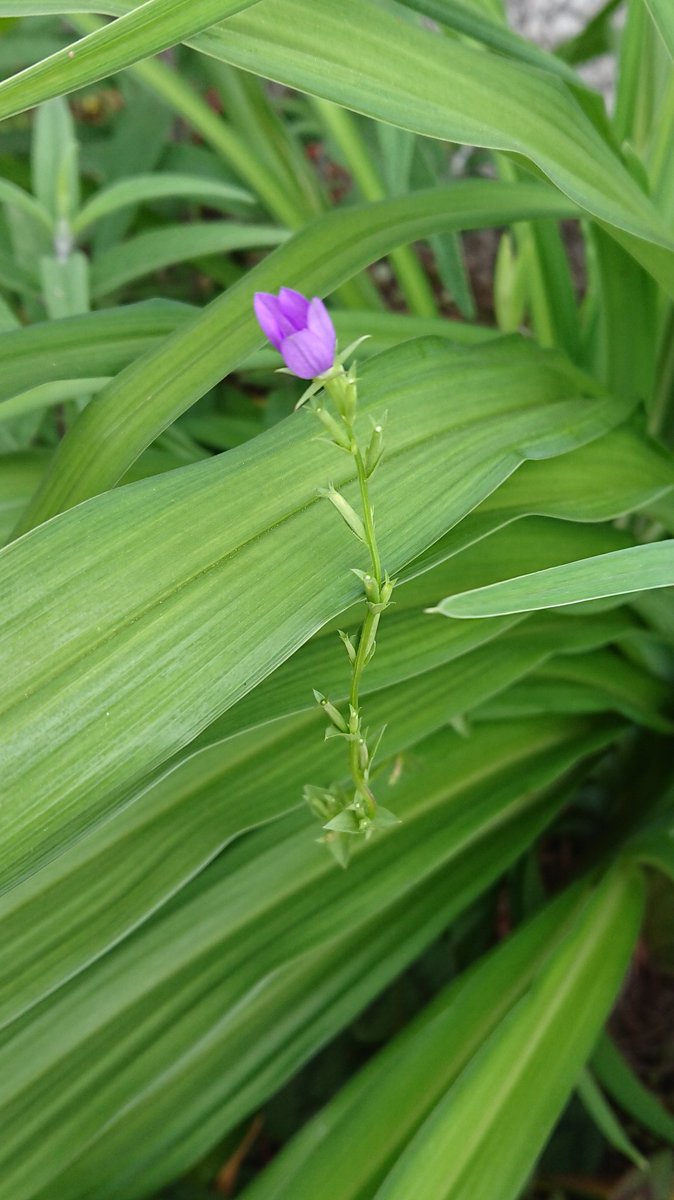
<point x="374" y="451"/>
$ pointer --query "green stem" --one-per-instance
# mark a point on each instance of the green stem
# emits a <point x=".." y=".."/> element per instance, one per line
<point x="368" y="631"/>
<point x="367" y="635"/>
<point x="368" y="519"/>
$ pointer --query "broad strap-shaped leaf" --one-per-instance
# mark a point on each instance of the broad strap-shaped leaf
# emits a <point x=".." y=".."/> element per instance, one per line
<point x="356" y="56"/>
<point x="619" y="573"/>
<point x="159" y="248"/>
<point x="663" y="15"/>
<point x="121" y="871"/>
<point x="90" y="344"/>
<point x="109" y="436"/>
<point x="620" y="474"/>
<point x="346" y="54"/>
<point x="624" y="1086"/>
<point x="354" y="1140"/>
<point x="149" y="28"/>
<point x="468" y="20"/>
<point x="466" y="670"/>
<point x="594" y="682"/>
<point x="110" y="339"/>
<point x="182" y="1030"/>
<point x="485" y="1118"/>
<point x="140" y="189"/>
<point x="134" y="620"/>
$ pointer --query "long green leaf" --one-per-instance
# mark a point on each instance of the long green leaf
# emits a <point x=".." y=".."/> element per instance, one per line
<point x="151" y="27"/>
<point x="347" y="1148"/>
<point x="586" y="683"/>
<point x="107" y="341"/>
<point x="170" y="583"/>
<point x="45" y="395"/>
<point x="467" y="20"/>
<point x="635" y="569"/>
<point x="183" y="820"/>
<point x="415" y="647"/>
<point x="83" y="346"/>
<point x="607" y="1122"/>
<point x="109" y="437"/>
<point x="486" y="1117"/>
<point x="617" y="1077"/>
<point x="159" y="248"/>
<point x="622" y="473"/>
<point x="16" y="197"/>
<point x="493" y="102"/>
<point x="270" y="950"/>
<point x="166" y="186"/>
<point x="355" y="56"/>
<point x="663" y="15"/>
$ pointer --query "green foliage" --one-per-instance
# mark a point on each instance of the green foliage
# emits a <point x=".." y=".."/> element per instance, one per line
<point x="176" y="945"/>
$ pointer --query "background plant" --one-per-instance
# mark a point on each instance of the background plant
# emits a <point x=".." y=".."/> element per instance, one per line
<point x="176" y="946"/>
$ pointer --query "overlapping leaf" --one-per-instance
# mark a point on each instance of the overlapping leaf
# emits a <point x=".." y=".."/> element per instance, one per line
<point x="483" y="1118"/>
<point x="344" y="55"/>
<point x="145" y="30"/>
<point x="110" y="435"/>
<point x="634" y="569"/>
<point x="352" y="1143"/>
<point x="274" y="969"/>
<point x="152" y="609"/>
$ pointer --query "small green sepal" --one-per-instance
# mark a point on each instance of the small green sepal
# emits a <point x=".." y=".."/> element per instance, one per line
<point x="345" y="822"/>
<point x="332" y="713"/>
<point x="339" y="845"/>
<point x="345" y="511"/>
<point x="338" y="433"/>
<point x="348" y="645"/>
<point x="384" y="818"/>
<point x="375" y="449"/>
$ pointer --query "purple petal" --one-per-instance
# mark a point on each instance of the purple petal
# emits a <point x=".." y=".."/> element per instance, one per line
<point x="319" y="323"/>
<point x="274" y="325"/>
<point x="306" y="355"/>
<point x="294" y="307"/>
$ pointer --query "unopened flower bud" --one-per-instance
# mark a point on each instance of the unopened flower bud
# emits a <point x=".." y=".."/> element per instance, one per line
<point x="322" y="802"/>
<point x="354" y="720"/>
<point x="301" y="329"/>
<point x="375" y="450"/>
<point x="387" y="589"/>
<point x="370" y="586"/>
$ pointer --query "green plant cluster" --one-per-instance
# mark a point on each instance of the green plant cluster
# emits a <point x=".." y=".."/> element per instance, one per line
<point x="175" y="946"/>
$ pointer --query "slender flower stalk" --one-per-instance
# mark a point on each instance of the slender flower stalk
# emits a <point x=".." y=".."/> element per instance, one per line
<point x="303" y="333"/>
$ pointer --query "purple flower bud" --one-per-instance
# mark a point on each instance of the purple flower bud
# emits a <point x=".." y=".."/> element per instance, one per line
<point x="300" y="329"/>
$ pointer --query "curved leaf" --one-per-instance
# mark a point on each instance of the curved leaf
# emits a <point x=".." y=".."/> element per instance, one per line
<point x="182" y="1030"/>
<point x="485" y="1117"/>
<point x="150" y="27"/>
<point x="619" y="573"/>
<point x="109" y="436"/>
<point x="135" y="619"/>
<point x="159" y="248"/>
<point x="140" y="189"/>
